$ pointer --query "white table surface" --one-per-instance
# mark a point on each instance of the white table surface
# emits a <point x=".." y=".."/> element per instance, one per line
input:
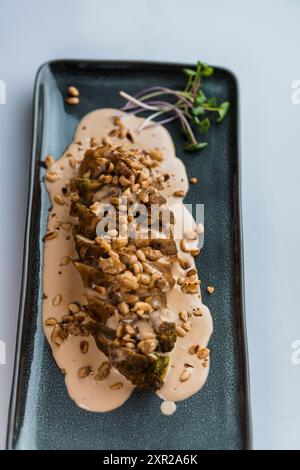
<point x="258" y="40"/>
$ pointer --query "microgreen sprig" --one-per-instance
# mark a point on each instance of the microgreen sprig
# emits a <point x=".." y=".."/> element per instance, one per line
<point x="194" y="110"/>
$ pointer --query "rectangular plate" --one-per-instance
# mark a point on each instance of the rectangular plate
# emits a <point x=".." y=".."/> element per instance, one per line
<point x="42" y="416"/>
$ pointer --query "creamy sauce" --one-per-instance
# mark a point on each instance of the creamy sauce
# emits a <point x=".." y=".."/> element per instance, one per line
<point x="63" y="279"/>
<point x="168" y="408"/>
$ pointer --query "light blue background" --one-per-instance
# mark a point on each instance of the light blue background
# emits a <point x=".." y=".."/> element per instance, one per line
<point x="259" y="41"/>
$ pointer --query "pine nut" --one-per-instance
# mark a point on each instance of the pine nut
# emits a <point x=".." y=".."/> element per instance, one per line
<point x="83" y="372"/>
<point x="73" y="91"/>
<point x="180" y="331"/>
<point x="84" y="346"/>
<point x="59" y="199"/>
<point x="72" y="100"/>
<point x="185" y="376"/>
<point x="49" y="161"/>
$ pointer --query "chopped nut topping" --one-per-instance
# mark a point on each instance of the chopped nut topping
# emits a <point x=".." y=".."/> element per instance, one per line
<point x="65" y="260"/>
<point x="180" y="331"/>
<point x="186" y="326"/>
<point x="84" y="346"/>
<point x="56" y="301"/>
<point x="72" y="163"/>
<point x="106" y="140"/>
<point x="147" y="345"/>
<point x="49" y="161"/>
<point x="210" y="290"/>
<point x="74" y="197"/>
<point x="183" y="315"/>
<point x="143" y="307"/>
<point x="74" y="308"/>
<point x="184" y="246"/>
<point x="103" y="371"/>
<point x="194" y="349"/>
<point x="156" y="154"/>
<point x="129" y="329"/>
<point x="195" y="252"/>
<point x="94" y="142"/>
<point x="128" y="281"/>
<point x="116" y="386"/>
<point x="179" y="193"/>
<point x="191" y="286"/>
<point x="83" y="372"/>
<point x="203" y="353"/>
<point x="72" y="100"/>
<point x="59" y="199"/>
<point x="66" y="225"/>
<point x="129" y="136"/>
<point x="50" y="236"/>
<point x="50" y="321"/>
<point x="52" y="176"/>
<point x="180" y="281"/>
<point x="58" y="335"/>
<point x="73" y="91"/>
<point x="148" y="335"/>
<point x="197" y="312"/>
<point x="120" y="331"/>
<point x="191" y="272"/>
<point x="123" y="308"/>
<point x="111" y="265"/>
<point x="137" y="268"/>
<point x="185" y="376"/>
<point x="67" y="318"/>
<point x="184" y="264"/>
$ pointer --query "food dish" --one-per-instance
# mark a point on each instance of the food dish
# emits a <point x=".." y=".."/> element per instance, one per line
<point x="220" y="413"/>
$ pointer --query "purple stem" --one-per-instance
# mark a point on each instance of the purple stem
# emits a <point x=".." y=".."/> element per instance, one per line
<point x="163" y="121"/>
<point x="180" y="115"/>
<point x="130" y="105"/>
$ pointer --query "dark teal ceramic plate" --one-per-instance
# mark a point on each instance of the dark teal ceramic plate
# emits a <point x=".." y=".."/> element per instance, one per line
<point x="42" y="416"/>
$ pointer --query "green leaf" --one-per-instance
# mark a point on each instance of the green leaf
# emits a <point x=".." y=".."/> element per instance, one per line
<point x="189" y="72"/>
<point x="195" y="147"/>
<point x="204" y="125"/>
<point x="207" y="71"/>
<point x="200" y="98"/>
<point x="212" y="102"/>
<point x="223" y="111"/>
<point x="198" y="110"/>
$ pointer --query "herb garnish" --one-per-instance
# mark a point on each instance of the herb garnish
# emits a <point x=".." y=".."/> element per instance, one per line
<point x="190" y="106"/>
